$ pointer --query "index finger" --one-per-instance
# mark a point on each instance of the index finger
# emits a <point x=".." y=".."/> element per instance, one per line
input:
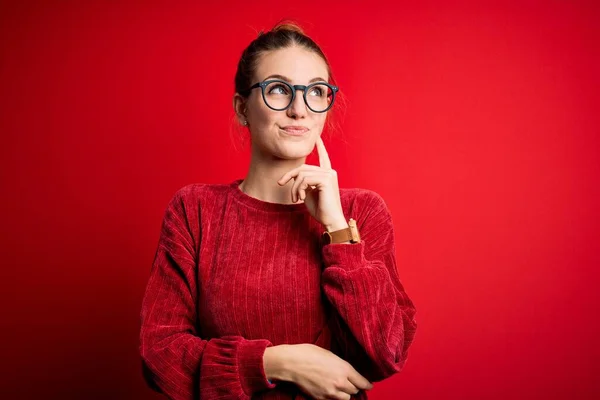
<point x="358" y="380"/>
<point x="324" y="161"/>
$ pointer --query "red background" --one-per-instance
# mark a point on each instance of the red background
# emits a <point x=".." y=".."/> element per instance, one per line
<point x="477" y="123"/>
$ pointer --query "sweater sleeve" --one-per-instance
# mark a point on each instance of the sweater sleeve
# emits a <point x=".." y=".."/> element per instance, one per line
<point x="373" y="319"/>
<point x="175" y="360"/>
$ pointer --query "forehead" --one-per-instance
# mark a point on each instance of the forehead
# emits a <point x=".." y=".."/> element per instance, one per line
<point x="297" y="63"/>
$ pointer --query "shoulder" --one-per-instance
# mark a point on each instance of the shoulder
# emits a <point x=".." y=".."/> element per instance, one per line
<point x="368" y="208"/>
<point x="198" y="193"/>
<point x="364" y="201"/>
<point x="373" y="218"/>
<point x="187" y="202"/>
<point x="185" y="209"/>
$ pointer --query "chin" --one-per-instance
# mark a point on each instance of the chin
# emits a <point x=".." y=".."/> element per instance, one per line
<point x="296" y="150"/>
<point x="292" y="154"/>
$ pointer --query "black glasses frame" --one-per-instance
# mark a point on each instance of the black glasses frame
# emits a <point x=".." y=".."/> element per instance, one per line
<point x="305" y="89"/>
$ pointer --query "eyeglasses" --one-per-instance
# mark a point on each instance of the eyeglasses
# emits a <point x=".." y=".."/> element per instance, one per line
<point x="279" y="95"/>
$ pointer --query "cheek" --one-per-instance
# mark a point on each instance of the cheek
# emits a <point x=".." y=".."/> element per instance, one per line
<point x="320" y="121"/>
<point x="259" y="112"/>
<point x="266" y="116"/>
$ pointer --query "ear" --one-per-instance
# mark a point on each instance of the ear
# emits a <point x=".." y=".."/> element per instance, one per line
<point x="239" y="106"/>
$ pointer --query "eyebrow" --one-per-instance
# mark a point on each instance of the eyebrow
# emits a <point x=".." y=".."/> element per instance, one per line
<point x="285" y="78"/>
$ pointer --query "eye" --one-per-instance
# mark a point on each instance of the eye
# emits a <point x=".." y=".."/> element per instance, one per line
<point x="278" y="88"/>
<point x="318" y="91"/>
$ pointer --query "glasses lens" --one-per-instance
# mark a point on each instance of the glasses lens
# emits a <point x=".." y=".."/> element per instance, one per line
<point x="319" y="97"/>
<point x="278" y="95"/>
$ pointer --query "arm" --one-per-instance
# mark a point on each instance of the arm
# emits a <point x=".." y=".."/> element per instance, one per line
<point x="175" y="360"/>
<point x="372" y="317"/>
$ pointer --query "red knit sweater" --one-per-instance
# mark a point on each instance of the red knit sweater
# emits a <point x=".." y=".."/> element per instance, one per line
<point x="234" y="274"/>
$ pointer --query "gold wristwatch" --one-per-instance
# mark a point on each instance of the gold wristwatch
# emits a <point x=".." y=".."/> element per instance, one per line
<point x="343" y="235"/>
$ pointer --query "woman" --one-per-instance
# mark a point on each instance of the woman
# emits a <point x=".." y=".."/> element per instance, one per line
<point x="263" y="288"/>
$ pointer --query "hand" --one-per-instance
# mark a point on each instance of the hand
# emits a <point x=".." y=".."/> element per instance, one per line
<point x="323" y="375"/>
<point x="318" y="187"/>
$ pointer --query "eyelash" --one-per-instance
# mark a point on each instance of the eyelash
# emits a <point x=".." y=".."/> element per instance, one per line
<point x="284" y="89"/>
<point x="278" y="87"/>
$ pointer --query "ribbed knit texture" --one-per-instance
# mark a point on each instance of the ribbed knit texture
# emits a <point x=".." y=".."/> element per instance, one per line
<point x="233" y="274"/>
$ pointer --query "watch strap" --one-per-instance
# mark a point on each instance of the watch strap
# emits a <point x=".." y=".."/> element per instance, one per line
<point x="341" y="236"/>
<point x="349" y="234"/>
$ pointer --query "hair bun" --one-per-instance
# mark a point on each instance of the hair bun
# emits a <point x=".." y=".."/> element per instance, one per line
<point x="288" y="26"/>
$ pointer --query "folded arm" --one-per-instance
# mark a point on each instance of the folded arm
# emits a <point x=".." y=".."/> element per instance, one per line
<point x="175" y="360"/>
<point x="373" y="319"/>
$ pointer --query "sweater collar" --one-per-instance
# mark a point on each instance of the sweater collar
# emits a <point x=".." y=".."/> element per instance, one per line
<point x="260" y="204"/>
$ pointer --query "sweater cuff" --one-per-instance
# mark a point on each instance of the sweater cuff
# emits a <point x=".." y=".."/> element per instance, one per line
<point x="250" y="366"/>
<point x="345" y="255"/>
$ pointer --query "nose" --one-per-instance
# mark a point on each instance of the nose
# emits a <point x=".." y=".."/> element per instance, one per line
<point x="298" y="108"/>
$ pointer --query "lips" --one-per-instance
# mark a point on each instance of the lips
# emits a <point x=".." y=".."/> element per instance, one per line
<point x="295" y="130"/>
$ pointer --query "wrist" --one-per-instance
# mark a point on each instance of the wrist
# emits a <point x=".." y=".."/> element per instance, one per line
<point x="276" y="362"/>
<point x="338" y="224"/>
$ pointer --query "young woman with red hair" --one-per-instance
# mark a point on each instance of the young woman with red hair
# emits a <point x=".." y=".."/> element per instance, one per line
<point x="280" y="285"/>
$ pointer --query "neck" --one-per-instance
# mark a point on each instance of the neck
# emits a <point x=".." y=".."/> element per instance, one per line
<point x="263" y="174"/>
